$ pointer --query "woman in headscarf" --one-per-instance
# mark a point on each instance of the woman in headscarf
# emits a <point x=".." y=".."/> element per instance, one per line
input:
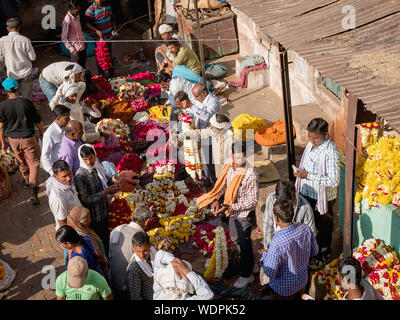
<point x="79" y="219"/>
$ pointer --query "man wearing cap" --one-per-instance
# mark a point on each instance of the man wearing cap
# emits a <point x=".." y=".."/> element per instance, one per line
<point x="53" y="76"/>
<point x="18" y="54"/>
<point x="18" y="118"/>
<point x="166" y="33"/>
<point x="81" y="283"/>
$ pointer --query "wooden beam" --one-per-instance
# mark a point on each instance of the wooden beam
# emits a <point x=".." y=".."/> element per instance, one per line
<point x="203" y="68"/>
<point x="349" y="102"/>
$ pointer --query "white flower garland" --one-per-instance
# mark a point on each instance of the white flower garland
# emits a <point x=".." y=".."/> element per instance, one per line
<point x="221" y="252"/>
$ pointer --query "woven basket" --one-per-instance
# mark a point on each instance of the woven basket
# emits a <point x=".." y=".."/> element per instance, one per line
<point x="5" y="184"/>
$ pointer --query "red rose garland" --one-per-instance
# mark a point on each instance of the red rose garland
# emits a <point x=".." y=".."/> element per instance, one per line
<point x="130" y="161"/>
<point x="142" y="76"/>
<point x="103" y="55"/>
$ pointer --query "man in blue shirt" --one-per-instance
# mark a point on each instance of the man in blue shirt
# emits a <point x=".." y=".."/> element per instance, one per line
<point x="288" y="254"/>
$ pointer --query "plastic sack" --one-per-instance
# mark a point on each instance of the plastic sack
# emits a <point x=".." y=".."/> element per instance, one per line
<point x="187" y="74"/>
<point x="215" y="70"/>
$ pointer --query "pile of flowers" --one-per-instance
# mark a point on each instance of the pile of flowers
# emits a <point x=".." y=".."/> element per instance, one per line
<point x="245" y="122"/>
<point x="204" y="238"/>
<point x="120" y="110"/>
<point x="140" y="105"/>
<point x="141" y="117"/>
<point x="116" y="83"/>
<point x="8" y="160"/>
<point x="164" y="170"/>
<point x="103" y="55"/>
<point x="217" y="264"/>
<point x="153" y="90"/>
<point x="105" y="94"/>
<point x="130" y="162"/>
<point x="130" y="91"/>
<point x="143" y="128"/>
<point x="118" y="127"/>
<point x="142" y="76"/>
<point x="119" y="211"/>
<point x="380" y="265"/>
<point x="160" y="113"/>
<point x="377" y="172"/>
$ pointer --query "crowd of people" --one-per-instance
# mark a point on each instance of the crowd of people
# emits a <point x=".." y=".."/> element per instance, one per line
<point x="298" y="217"/>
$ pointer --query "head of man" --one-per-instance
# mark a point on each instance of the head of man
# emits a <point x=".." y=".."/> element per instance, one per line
<point x="74" y="130"/>
<point x="77" y="272"/>
<point x="173" y="46"/>
<point x="283" y="213"/>
<point x="163" y="79"/>
<point x="10" y="85"/>
<point x="62" y="114"/>
<point x="13" y="25"/>
<point x="317" y="131"/>
<point x="74" y="71"/>
<point x="88" y="156"/>
<point x="68" y="237"/>
<point x="182" y="100"/>
<point x="62" y="172"/>
<point x="220" y="122"/>
<point x="285" y="190"/>
<point x="141" y="245"/>
<point x="74" y="7"/>
<point x="200" y="92"/>
<point x="239" y="153"/>
<point x="142" y="216"/>
<point x="349" y="273"/>
<point x="165" y="31"/>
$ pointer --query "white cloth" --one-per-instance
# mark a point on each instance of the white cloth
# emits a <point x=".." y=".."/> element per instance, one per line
<point x="62" y="199"/>
<point x="68" y="90"/>
<point x="369" y="292"/>
<point x="167" y="285"/>
<point x="164" y="28"/>
<point x="76" y="109"/>
<point x="204" y="111"/>
<point x="18" y="53"/>
<point x="147" y="269"/>
<point x="55" y="72"/>
<point x="101" y="171"/>
<point x="223" y="126"/>
<point x="52" y="138"/>
<point x="322" y="203"/>
<point x="179" y="84"/>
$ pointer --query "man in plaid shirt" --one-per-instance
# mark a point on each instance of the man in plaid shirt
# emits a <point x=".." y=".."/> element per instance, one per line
<point x="286" y="259"/>
<point x="241" y="212"/>
<point x="321" y="150"/>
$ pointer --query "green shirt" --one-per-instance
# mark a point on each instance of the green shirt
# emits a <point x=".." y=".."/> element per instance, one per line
<point x="95" y="287"/>
<point x="187" y="57"/>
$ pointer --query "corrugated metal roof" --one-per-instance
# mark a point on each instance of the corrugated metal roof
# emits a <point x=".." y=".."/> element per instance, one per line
<point x="313" y="28"/>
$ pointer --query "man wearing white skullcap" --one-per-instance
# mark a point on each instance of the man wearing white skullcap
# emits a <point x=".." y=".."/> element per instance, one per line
<point x="166" y="32"/>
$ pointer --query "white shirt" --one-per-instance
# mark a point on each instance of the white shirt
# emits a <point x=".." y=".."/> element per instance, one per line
<point x="54" y="73"/>
<point x="18" y="54"/>
<point x="204" y="112"/>
<point x="62" y="206"/>
<point x="369" y="292"/>
<point x="51" y="145"/>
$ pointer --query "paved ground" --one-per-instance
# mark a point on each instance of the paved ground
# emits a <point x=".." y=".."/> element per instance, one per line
<point x="27" y="232"/>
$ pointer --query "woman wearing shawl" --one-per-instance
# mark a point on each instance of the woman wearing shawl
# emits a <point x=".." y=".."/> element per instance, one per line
<point x="79" y="219"/>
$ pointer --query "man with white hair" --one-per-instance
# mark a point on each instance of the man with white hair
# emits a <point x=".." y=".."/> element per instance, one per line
<point x="207" y="105"/>
<point x="174" y="279"/>
<point x="18" y="53"/>
<point x="54" y="75"/>
<point x="121" y="250"/>
<point x="166" y="33"/>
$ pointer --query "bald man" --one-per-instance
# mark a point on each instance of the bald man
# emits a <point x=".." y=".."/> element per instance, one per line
<point x="70" y="145"/>
<point x="207" y="106"/>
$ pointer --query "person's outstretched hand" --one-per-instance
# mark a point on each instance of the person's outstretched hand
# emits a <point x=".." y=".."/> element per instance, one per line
<point x="180" y="268"/>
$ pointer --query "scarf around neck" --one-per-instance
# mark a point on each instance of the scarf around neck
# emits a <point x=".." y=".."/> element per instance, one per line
<point x="147" y="269"/>
<point x="97" y="165"/>
<point x="53" y="183"/>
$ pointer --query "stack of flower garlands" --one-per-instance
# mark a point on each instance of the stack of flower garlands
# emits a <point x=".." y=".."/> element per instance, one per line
<point x="204" y="239"/>
<point x="380" y="265"/>
<point x="105" y="95"/>
<point x="103" y="55"/>
<point x="130" y="91"/>
<point x="8" y="160"/>
<point x="217" y="264"/>
<point x="130" y="162"/>
<point x="245" y="122"/>
<point x="160" y="114"/>
<point x="377" y="173"/>
<point x="191" y="145"/>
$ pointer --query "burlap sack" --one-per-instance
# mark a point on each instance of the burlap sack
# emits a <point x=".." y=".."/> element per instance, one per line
<point x="204" y="4"/>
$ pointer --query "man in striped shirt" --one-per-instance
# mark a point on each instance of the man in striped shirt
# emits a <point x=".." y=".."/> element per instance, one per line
<point x="317" y="181"/>
<point x="101" y="21"/>
<point x="241" y="213"/>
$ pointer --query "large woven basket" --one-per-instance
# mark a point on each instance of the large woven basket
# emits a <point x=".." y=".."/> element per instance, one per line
<point x="5" y="184"/>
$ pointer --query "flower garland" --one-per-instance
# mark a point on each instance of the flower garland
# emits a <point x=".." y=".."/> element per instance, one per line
<point x="141" y="117"/>
<point x="153" y="90"/>
<point x="8" y="160"/>
<point x="142" y="76"/>
<point x="245" y="122"/>
<point x="160" y="113"/>
<point x="103" y="55"/>
<point x="204" y="238"/>
<point x="116" y="83"/>
<point x="217" y="264"/>
<point x="191" y="149"/>
<point x="118" y="127"/>
<point x="130" y="162"/>
<point x="119" y="211"/>
<point x="380" y="265"/>
<point x="143" y="128"/>
<point x="130" y="91"/>
<point x="140" y="105"/>
<point x="120" y="110"/>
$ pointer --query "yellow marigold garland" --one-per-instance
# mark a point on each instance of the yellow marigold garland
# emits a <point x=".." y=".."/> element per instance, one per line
<point x="245" y="122"/>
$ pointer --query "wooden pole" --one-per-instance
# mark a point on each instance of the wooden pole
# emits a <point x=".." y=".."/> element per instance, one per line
<point x="203" y="68"/>
<point x="287" y="106"/>
<point x="151" y="19"/>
